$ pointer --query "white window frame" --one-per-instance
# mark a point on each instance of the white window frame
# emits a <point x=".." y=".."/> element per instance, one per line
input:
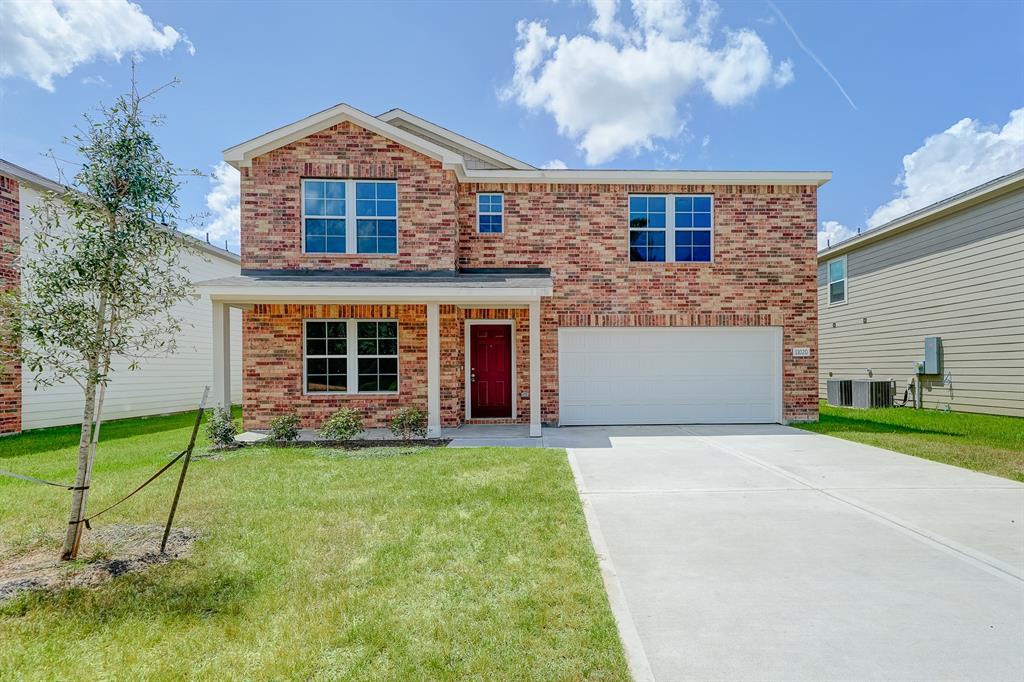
<point x="497" y="213"/>
<point x="351" y="356"/>
<point x="670" y="228"/>
<point x="350" y="217"/>
<point x="845" y="280"/>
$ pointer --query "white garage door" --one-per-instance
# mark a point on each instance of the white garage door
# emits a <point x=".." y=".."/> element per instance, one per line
<point x="660" y="375"/>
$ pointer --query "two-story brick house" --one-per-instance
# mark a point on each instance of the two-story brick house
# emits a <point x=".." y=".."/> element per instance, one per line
<point x="388" y="262"/>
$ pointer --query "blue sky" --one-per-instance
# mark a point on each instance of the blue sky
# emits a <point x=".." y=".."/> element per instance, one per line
<point x="933" y="103"/>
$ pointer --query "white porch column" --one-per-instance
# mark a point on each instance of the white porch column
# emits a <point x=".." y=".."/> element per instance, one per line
<point x="535" y="368"/>
<point x="221" y="355"/>
<point x="433" y="370"/>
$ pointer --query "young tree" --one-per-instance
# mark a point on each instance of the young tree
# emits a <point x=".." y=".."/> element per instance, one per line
<point x="101" y="272"/>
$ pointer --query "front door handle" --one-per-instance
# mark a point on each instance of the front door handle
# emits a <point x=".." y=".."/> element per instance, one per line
<point x="472" y="376"/>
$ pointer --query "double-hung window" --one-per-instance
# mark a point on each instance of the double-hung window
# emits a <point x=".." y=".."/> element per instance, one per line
<point x="671" y="228"/>
<point x="351" y="356"/>
<point x="349" y="216"/>
<point x="490" y="214"/>
<point x="837" y="281"/>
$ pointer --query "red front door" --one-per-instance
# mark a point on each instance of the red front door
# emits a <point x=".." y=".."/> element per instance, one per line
<point x="490" y="370"/>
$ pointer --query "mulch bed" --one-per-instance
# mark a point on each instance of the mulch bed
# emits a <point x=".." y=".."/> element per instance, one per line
<point x="106" y="552"/>
<point x="354" y="444"/>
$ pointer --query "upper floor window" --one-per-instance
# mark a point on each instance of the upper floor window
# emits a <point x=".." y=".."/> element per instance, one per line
<point x="349" y="216"/>
<point x="490" y="213"/>
<point x="670" y="228"/>
<point x="837" y="281"/>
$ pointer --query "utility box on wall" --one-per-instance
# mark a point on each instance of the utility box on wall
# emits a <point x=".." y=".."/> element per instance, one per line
<point x="932" y="355"/>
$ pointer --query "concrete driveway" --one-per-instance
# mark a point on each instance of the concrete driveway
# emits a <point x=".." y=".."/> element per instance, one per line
<point x="769" y="553"/>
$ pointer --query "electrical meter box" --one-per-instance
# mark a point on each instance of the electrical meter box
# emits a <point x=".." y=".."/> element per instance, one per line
<point x="932" y="355"/>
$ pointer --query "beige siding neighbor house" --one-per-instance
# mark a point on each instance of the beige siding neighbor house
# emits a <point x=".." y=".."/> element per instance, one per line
<point x="953" y="270"/>
<point x="170" y="383"/>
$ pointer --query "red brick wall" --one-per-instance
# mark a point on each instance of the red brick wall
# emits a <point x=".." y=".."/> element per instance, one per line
<point x="272" y="211"/>
<point x="272" y="364"/>
<point x="764" y="272"/>
<point x="10" y="278"/>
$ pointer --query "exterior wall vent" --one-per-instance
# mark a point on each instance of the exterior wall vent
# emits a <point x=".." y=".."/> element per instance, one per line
<point x="840" y="392"/>
<point x="872" y="393"/>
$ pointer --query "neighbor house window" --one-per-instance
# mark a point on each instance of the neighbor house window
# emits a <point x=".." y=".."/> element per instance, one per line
<point x="349" y="216"/>
<point x="378" y="356"/>
<point x="837" y="281"/>
<point x="326" y="356"/>
<point x="490" y="213"/>
<point x="672" y="228"/>
<point x="372" y="345"/>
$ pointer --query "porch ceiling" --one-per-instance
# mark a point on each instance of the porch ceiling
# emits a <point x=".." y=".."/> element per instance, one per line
<point x="468" y="287"/>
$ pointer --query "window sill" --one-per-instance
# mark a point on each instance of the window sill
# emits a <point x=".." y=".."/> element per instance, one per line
<point x="338" y="394"/>
<point x="349" y="255"/>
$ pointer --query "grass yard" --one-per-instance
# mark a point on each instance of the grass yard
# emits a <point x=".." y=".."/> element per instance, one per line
<point x="314" y="564"/>
<point x="986" y="443"/>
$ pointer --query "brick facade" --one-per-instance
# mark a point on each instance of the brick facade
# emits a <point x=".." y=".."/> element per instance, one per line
<point x="271" y="206"/>
<point x="10" y="278"/>
<point x="764" y="271"/>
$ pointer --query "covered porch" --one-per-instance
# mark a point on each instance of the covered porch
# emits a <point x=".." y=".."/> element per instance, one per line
<point x="435" y="315"/>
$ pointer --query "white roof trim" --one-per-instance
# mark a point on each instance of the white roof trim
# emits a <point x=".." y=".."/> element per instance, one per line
<point x="242" y="154"/>
<point x="649" y="177"/>
<point x="921" y="217"/>
<point x="471" y="146"/>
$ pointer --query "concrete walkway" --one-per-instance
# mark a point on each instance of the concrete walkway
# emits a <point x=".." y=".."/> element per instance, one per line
<point x="769" y="553"/>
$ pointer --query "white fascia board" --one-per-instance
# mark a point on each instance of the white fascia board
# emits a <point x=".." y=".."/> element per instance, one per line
<point x="242" y="154"/>
<point x="647" y="177"/>
<point x="928" y="214"/>
<point x="470" y="145"/>
<point x="374" y="294"/>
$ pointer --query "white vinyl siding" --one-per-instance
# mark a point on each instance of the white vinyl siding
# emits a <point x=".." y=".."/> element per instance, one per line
<point x="161" y="385"/>
<point x="959" y="278"/>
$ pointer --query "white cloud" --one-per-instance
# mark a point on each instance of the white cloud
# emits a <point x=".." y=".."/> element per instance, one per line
<point x="48" y="38"/>
<point x="965" y="155"/>
<point x="95" y="80"/>
<point x="619" y="88"/>
<point x="555" y="164"/>
<point x="832" y="232"/>
<point x="223" y="203"/>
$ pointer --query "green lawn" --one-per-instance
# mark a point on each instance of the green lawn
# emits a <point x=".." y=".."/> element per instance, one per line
<point x="442" y="564"/>
<point x="987" y="443"/>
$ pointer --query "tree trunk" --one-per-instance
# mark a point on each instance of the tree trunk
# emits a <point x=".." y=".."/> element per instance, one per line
<point x="97" y="424"/>
<point x="70" y="549"/>
<point x="74" y="531"/>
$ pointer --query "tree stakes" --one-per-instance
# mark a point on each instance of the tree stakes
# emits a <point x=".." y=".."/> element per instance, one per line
<point x="184" y="470"/>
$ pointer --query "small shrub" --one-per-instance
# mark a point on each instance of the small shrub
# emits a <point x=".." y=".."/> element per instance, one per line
<point x="409" y="423"/>
<point x="342" y="425"/>
<point x="285" y="427"/>
<point x="220" y="427"/>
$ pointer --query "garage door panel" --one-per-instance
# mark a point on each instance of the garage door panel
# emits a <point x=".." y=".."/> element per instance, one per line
<point x="669" y="375"/>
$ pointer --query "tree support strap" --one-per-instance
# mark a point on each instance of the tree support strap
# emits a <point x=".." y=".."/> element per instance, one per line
<point x="33" y="479"/>
<point x="144" y="484"/>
